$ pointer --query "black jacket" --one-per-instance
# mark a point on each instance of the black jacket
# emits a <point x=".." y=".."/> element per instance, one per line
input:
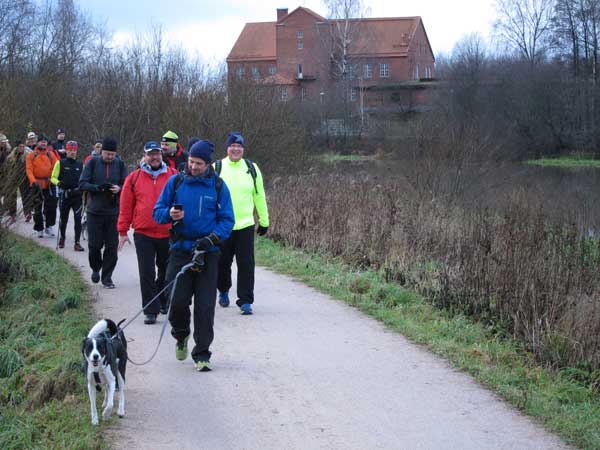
<point x="97" y="173"/>
<point x="68" y="177"/>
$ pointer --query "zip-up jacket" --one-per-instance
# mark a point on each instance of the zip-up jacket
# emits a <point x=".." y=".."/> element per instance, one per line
<point x="204" y="213"/>
<point x="141" y="190"/>
<point x="60" y="147"/>
<point x="39" y="165"/>
<point x="243" y="194"/>
<point x="179" y="160"/>
<point x="66" y="174"/>
<point x="95" y="174"/>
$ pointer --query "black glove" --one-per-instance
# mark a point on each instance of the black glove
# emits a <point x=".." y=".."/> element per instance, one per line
<point x="207" y="242"/>
<point x="104" y="187"/>
<point x="261" y="231"/>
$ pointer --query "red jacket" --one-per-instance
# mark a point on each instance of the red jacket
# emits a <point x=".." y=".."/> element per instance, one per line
<point x="138" y="197"/>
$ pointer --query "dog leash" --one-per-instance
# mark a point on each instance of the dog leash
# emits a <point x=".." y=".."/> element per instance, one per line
<point x="183" y="270"/>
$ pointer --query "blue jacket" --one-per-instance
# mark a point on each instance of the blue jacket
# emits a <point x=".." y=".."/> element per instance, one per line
<point x="203" y="212"/>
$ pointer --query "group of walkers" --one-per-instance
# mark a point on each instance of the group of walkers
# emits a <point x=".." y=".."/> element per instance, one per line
<point x="186" y="211"/>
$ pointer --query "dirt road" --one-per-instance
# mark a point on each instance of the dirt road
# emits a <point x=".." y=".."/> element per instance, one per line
<point x="304" y="372"/>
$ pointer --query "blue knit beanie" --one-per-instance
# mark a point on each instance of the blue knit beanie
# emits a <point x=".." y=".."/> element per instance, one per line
<point x="203" y="150"/>
<point x="235" y="137"/>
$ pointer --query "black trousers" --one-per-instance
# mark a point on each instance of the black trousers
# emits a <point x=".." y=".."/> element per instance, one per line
<point x="65" y="206"/>
<point x="203" y="286"/>
<point x="152" y="256"/>
<point x="44" y="212"/>
<point x="102" y="233"/>
<point x="26" y="197"/>
<point x="241" y="245"/>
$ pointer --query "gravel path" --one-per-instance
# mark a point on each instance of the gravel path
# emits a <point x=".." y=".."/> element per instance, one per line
<point x="304" y="372"/>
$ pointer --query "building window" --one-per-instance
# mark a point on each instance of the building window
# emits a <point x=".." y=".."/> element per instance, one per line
<point x="240" y="73"/>
<point x="283" y="93"/>
<point x="255" y="73"/>
<point x="384" y="70"/>
<point x="352" y="71"/>
<point x="353" y="95"/>
<point x="417" y="72"/>
<point x="300" y="43"/>
<point x="299" y="71"/>
<point x="303" y="93"/>
<point x="368" y="71"/>
<point x="272" y="70"/>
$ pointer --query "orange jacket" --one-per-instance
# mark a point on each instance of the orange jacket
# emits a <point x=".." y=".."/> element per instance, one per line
<point x="39" y="165"/>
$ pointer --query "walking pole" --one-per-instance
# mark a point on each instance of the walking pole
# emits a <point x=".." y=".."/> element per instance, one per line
<point x="60" y="205"/>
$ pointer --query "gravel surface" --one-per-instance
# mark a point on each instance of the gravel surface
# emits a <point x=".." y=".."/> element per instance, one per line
<point x="304" y="372"/>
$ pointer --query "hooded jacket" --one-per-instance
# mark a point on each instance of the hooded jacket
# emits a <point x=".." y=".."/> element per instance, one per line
<point x="141" y="190"/>
<point x="204" y="213"/>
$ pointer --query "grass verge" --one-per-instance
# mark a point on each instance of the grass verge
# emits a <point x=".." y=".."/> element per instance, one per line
<point x="557" y="399"/>
<point x="566" y="162"/>
<point x="44" y="314"/>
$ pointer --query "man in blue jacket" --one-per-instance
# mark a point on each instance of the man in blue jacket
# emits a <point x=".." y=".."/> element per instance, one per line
<point x="198" y="205"/>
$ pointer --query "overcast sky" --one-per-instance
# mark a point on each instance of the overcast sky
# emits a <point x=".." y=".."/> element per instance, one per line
<point x="209" y="28"/>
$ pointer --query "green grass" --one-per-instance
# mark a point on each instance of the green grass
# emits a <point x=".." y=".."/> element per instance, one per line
<point x="334" y="157"/>
<point x="44" y="315"/>
<point x="567" y="162"/>
<point x="567" y="407"/>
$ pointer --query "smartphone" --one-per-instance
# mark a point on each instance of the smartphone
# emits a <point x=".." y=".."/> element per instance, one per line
<point x="178" y="206"/>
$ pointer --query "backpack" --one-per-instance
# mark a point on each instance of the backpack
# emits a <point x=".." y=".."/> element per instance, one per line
<point x="251" y="170"/>
<point x="181" y="176"/>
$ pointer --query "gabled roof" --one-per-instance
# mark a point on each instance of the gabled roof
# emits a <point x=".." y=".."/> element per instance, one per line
<point x="376" y="37"/>
<point x="301" y="8"/>
<point x="256" y="42"/>
<point x="389" y="36"/>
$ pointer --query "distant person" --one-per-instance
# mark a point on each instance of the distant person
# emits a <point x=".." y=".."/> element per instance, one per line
<point x="59" y="144"/>
<point x="140" y="192"/>
<point x="31" y="141"/>
<point x="65" y="175"/>
<point x="103" y="180"/>
<point x="245" y="182"/>
<point x="96" y="151"/>
<point x="19" y="180"/>
<point x="8" y="201"/>
<point x="173" y="152"/>
<point x="38" y="166"/>
<point x="198" y="205"/>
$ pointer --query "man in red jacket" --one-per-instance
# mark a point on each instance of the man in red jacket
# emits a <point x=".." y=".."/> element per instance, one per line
<point x="140" y="192"/>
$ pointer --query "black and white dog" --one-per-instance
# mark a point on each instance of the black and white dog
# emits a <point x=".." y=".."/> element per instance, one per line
<point x="105" y="353"/>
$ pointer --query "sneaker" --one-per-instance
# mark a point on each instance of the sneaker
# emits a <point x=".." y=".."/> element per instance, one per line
<point x="61" y="243"/>
<point x="224" y="299"/>
<point x="40" y="234"/>
<point x="108" y="284"/>
<point x="246" y="309"/>
<point x="181" y="349"/>
<point x="203" y="366"/>
<point x="95" y="276"/>
<point x="150" y="319"/>
<point x="78" y="248"/>
<point x="49" y="232"/>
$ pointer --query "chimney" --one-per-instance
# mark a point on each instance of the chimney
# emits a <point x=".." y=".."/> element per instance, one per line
<point x="281" y="13"/>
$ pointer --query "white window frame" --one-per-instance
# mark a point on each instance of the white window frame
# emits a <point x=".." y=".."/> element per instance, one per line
<point x="300" y="38"/>
<point x="384" y="70"/>
<point x="255" y="73"/>
<point x="353" y="96"/>
<point x="283" y="93"/>
<point x="240" y="72"/>
<point x="272" y="70"/>
<point x="368" y="71"/>
<point x="417" y="71"/>
<point x="302" y="93"/>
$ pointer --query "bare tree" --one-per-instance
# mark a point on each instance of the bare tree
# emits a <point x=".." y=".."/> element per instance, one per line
<point x="525" y="26"/>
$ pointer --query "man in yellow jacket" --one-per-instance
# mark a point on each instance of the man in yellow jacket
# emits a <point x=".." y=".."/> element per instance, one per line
<point x="245" y="183"/>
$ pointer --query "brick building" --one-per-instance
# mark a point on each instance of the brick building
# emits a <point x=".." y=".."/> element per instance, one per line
<point x="386" y="65"/>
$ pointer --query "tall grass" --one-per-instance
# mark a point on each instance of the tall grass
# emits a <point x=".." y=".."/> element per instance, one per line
<point x="513" y="268"/>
